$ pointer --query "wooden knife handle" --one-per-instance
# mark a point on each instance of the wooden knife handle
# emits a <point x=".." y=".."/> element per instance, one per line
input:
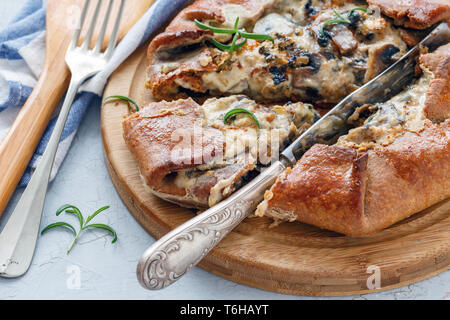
<point x="17" y="148"/>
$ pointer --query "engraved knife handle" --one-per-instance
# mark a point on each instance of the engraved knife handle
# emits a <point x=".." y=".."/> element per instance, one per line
<point x="176" y="253"/>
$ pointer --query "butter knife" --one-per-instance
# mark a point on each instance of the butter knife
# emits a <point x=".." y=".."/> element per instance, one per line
<point x="171" y="257"/>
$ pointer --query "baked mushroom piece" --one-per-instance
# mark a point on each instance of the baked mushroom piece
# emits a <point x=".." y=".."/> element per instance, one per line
<point x="322" y="50"/>
<point x="196" y="155"/>
<point x="394" y="165"/>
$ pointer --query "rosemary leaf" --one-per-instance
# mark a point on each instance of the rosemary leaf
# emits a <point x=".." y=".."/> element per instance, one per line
<point x="240" y="45"/>
<point x="214" y="29"/>
<point x="221" y="46"/>
<point x="124" y="98"/>
<point x="96" y="213"/>
<point x="236" y="111"/>
<point x="366" y="10"/>
<point x="233" y="43"/>
<point x="331" y="21"/>
<point x="341" y="18"/>
<point x="105" y="227"/>
<point x="59" y="224"/>
<point x="71" y="209"/>
<point x="255" y="36"/>
<point x="236" y="24"/>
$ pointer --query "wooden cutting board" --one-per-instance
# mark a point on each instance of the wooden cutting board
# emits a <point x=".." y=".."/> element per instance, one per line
<point x="291" y="258"/>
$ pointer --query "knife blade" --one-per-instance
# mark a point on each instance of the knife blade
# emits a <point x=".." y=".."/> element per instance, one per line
<point x="171" y="257"/>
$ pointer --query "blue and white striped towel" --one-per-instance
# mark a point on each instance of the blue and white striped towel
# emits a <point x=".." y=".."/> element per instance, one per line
<point x="22" y="52"/>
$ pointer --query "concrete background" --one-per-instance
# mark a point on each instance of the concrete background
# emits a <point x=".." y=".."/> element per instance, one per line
<point x="97" y="269"/>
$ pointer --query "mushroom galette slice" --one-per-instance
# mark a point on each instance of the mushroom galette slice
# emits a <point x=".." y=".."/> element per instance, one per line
<point x="196" y="155"/>
<point x="395" y="164"/>
<point x="322" y="50"/>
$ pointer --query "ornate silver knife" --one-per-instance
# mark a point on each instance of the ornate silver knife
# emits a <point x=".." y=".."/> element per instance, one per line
<point x="176" y="253"/>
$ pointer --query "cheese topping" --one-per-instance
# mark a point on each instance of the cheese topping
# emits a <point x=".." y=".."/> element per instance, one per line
<point x="245" y="144"/>
<point x="392" y="119"/>
<point x="299" y="65"/>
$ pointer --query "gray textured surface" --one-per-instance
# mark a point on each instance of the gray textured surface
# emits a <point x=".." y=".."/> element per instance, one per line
<point x="97" y="269"/>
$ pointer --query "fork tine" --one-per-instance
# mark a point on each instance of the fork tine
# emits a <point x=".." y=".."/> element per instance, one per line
<point x="88" y="39"/>
<point x="101" y="36"/>
<point x="115" y="34"/>
<point x="76" y="36"/>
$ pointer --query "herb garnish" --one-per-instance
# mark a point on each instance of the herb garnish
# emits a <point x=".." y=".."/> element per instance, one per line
<point x="236" y="111"/>
<point x="83" y="224"/>
<point x="342" y="19"/>
<point x="129" y="100"/>
<point x="236" y="32"/>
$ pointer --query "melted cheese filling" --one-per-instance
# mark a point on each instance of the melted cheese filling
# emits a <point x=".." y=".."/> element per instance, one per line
<point x="402" y="113"/>
<point x="244" y="143"/>
<point x="296" y="66"/>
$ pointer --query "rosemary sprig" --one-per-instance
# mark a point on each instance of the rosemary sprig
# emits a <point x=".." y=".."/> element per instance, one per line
<point x="236" y="111"/>
<point x="236" y="32"/>
<point x="83" y="224"/>
<point x="124" y="98"/>
<point x="341" y="18"/>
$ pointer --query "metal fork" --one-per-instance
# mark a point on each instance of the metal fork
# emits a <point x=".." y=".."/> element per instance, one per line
<point x="18" y="238"/>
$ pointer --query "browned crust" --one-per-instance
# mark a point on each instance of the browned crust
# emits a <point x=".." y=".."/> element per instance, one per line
<point x="182" y="29"/>
<point x="408" y="176"/>
<point x="417" y="14"/>
<point x="326" y="189"/>
<point x="339" y="189"/>
<point x="161" y="136"/>
<point x="437" y="105"/>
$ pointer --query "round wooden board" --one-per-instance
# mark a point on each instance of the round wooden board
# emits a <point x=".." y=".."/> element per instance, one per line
<point x="291" y="258"/>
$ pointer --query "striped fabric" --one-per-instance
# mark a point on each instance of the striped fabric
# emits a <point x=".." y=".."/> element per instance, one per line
<point x="22" y="52"/>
